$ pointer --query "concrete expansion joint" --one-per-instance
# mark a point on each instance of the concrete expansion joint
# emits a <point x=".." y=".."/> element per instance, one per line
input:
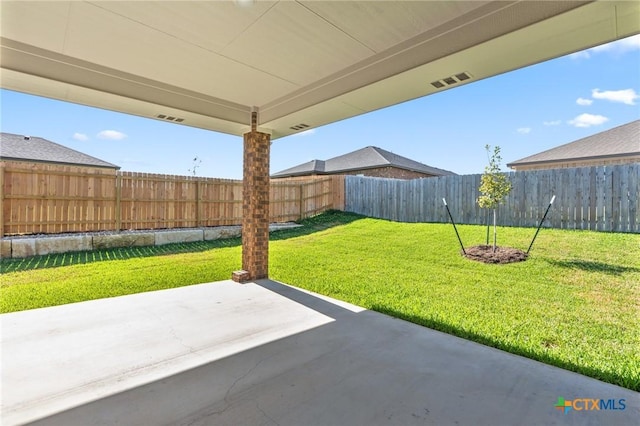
<point x="229" y="404"/>
<point x="266" y="415"/>
<point x="178" y="339"/>
<point x="245" y="375"/>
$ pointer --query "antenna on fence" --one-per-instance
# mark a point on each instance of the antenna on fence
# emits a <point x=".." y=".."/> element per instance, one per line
<point x="543" y="218"/>
<point x="454" y="225"/>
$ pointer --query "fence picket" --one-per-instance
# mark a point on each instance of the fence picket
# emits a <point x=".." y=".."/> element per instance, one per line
<point x="52" y="199"/>
<point x="584" y="198"/>
<point x="46" y="198"/>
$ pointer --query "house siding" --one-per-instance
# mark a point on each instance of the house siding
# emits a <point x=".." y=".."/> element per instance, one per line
<point x="578" y="163"/>
<point x="384" y="172"/>
<point x="388" y="172"/>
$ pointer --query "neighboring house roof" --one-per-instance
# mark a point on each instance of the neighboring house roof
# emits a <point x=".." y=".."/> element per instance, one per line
<point x="30" y="148"/>
<point x="620" y="141"/>
<point x="370" y="157"/>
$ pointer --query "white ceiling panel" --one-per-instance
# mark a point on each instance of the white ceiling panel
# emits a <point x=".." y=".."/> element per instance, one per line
<point x="39" y="23"/>
<point x="102" y="37"/>
<point x="313" y="116"/>
<point x="394" y="22"/>
<point x="34" y="85"/>
<point x="68" y="92"/>
<point x="211" y="25"/>
<point x="293" y="43"/>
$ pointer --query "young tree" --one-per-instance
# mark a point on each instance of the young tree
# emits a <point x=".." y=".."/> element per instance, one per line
<point x="494" y="186"/>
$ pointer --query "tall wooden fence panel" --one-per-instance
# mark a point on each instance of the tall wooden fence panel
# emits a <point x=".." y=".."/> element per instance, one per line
<point x="150" y="201"/>
<point x="595" y="198"/>
<point x="298" y="198"/>
<point x="46" y="198"/>
<point x="219" y="202"/>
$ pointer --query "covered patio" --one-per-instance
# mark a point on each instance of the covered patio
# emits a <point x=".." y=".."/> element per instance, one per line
<point x="267" y="353"/>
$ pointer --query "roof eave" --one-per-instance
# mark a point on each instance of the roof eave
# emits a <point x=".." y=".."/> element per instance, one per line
<point x="62" y="163"/>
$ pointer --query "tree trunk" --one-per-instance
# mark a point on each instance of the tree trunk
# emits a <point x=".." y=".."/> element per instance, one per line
<point x="488" y="226"/>
<point x="495" y="232"/>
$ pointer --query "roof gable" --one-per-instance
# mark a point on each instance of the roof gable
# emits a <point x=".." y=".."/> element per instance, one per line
<point x="29" y="148"/>
<point x="365" y="158"/>
<point x="620" y="141"/>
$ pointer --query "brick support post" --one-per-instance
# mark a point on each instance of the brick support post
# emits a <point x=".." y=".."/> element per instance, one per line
<point x="255" y="205"/>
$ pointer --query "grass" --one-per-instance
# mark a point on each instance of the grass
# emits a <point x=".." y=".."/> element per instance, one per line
<point x="574" y="304"/>
<point x="57" y="279"/>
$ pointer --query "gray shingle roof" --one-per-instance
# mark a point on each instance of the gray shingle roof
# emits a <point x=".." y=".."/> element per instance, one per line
<point x="366" y="158"/>
<point x="617" y="142"/>
<point x="30" y="148"/>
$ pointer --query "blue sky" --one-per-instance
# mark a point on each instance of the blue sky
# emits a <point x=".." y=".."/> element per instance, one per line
<point x="524" y="112"/>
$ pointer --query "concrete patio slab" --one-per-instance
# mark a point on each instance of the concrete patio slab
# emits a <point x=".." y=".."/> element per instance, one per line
<point x="267" y="353"/>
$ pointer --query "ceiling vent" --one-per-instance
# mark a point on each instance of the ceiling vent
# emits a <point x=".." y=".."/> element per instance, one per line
<point x="299" y="126"/>
<point x="450" y="81"/>
<point x="170" y="118"/>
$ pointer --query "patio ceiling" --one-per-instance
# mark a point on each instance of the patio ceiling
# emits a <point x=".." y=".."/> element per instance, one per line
<point x="301" y="64"/>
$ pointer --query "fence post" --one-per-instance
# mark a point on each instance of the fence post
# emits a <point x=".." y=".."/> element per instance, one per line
<point x="339" y="190"/>
<point x="118" y="201"/>
<point x="2" y="200"/>
<point x="615" y="211"/>
<point x="198" y="203"/>
<point x="301" y="201"/>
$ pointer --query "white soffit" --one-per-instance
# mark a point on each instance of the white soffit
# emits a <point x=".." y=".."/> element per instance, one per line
<point x="297" y="62"/>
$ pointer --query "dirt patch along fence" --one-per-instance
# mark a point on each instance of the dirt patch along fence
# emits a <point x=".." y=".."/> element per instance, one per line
<point x="605" y="198"/>
<point x="49" y="199"/>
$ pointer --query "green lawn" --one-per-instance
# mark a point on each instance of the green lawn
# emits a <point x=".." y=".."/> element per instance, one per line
<point x="575" y="303"/>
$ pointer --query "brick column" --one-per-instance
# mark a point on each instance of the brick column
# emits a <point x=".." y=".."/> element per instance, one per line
<point x="255" y="206"/>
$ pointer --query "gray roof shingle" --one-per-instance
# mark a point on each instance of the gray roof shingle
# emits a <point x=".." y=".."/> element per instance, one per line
<point x="617" y="142"/>
<point x="365" y="158"/>
<point x="30" y="148"/>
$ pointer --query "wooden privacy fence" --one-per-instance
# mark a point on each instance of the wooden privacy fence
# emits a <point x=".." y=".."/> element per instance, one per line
<point x="596" y="198"/>
<point x="46" y="198"/>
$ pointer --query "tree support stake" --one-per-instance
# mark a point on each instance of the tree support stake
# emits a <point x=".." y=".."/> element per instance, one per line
<point x="454" y="225"/>
<point x="543" y="218"/>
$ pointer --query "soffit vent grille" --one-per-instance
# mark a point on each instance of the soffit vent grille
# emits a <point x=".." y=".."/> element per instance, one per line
<point x="299" y="126"/>
<point x="450" y="81"/>
<point x="170" y="118"/>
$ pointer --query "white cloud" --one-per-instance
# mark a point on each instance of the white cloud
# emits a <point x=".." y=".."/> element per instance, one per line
<point x="552" y="123"/>
<point x="617" y="48"/>
<point x="580" y="55"/>
<point x="80" y="137"/>
<point x="111" y="135"/>
<point x="305" y="133"/>
<point x="627" y="96"/>
<point x="620" y="46"/>
<point x="524" y="130"/>
<point x="588" y="120"/>
<point x="584" y="102"/>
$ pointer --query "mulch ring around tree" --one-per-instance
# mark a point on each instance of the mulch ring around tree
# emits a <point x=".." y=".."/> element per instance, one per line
<point x="484" y="253"/>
